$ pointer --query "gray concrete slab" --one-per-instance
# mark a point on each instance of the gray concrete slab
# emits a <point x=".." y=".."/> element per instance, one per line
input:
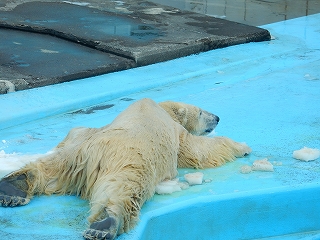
<point x="136" y="33"/>
<point x="29" y="60"/>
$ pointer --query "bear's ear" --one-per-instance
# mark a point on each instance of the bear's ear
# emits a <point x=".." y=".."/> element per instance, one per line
<point x="182" y="116"/>
<point x="177" y="112"/>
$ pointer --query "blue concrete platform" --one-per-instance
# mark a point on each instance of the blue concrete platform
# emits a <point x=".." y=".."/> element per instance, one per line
<point x="266" y="94"/>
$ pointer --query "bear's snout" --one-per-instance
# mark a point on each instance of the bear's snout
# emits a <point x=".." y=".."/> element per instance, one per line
<point x="217" y="118"/>
<point x="214" y="118"/>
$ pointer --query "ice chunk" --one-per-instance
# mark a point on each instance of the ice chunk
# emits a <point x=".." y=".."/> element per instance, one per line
<point x="194" y="178"/>
<point x="10" y="162"/>
<point x="183" y="185"/>
<point x="306" y="154"/>
<point x="168" y="187"/>
<point x="77" y="3"/>
<point x="10" y="87"/>
<point x="245" y="169"/>
<point x="262" y="165"/>
<point x="157" y="10"/>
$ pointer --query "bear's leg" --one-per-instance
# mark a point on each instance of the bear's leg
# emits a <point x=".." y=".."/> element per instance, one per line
<point x="116" y="202"/>
<point x="17" y="188"/>
<point x="205" y="152"/>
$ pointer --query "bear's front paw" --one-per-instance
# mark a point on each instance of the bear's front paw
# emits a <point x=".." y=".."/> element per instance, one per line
<point x="105" y="229"/>
<point x="11" y="196"/>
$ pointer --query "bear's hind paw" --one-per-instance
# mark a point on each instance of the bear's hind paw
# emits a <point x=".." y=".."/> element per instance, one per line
<point x="11" y="194"/>
<point x="105" y="229"/>
<point x="13" y="201"/>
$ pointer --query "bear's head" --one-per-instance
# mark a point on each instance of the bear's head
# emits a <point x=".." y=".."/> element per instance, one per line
<point x="195" y="120"/>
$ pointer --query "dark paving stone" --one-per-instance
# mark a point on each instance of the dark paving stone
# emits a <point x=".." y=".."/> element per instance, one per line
<point x="139" y="31"/>
<point x="31" y="60"/>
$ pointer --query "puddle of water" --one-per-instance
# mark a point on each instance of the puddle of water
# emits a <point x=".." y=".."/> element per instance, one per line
<point x="251" y="12"/>
<point x="87" y="22"/>
<point x="93" y="109"/>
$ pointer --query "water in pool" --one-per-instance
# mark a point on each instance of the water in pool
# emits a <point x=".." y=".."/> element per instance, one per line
<point x="252" y="12"/>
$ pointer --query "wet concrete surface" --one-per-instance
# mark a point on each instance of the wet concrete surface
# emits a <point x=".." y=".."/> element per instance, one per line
<point x="33" y="60"/>
<point x="48" y="42"/>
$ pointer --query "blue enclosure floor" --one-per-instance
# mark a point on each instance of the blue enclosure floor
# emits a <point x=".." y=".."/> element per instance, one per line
<point x="266" y="94"/>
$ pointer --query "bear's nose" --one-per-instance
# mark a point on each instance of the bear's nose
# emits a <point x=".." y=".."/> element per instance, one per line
<point x="217" y="119"/>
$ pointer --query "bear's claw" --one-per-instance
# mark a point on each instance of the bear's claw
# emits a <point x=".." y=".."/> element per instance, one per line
<point x="96" y="234"/>
<point x="13" y="201"/>
<point x="105" y="229"/>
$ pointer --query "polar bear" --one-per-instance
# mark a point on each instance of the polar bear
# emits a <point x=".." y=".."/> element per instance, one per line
<point x="118" y="166"/>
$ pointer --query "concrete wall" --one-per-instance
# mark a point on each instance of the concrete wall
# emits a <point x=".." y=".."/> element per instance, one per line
<point x="252" y="12"/>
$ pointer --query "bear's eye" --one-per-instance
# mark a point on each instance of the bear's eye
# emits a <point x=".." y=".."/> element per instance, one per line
<point x="200" y="113"/>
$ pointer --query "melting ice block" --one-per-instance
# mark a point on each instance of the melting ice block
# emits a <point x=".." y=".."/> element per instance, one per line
<point x="246" y="169"/>
<point x="194" y="178"/>
<point x="10" y="162"/>
<point x="171" y="186"/>
<point x="306" y="154"/>
<point x="168" y="187"/>
<point x="262" y="165"/>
